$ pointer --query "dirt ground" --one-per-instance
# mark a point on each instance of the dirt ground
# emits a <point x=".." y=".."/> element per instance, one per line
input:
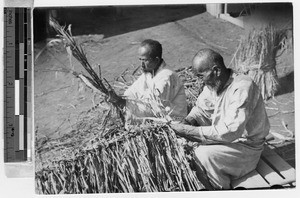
<point x="111" y="39"/>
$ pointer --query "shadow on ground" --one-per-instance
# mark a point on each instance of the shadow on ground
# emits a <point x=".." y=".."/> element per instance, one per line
<point x="111" y="20"/>
<point x="287" y="152"/>
<point x="286" y="84"/>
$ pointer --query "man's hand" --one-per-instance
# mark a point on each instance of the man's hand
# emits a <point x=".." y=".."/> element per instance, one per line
<point x="178" y="128"/>
<point x="188" y="132"/>
<point x="116" y="99"/>
<point x="190" y="121"/>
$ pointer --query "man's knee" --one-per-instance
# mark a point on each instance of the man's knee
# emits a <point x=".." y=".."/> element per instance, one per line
<point x="204" y="154"/>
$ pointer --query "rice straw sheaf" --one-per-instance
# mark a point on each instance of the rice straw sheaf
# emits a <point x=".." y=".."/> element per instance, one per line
<point x="256" y="56"/>
<point x="94" y="80"/>
<point x="145" y="158"/>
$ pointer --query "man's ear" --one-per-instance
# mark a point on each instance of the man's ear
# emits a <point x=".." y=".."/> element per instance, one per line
<point x="157" y="59"/>
<point x="217" y="70"/>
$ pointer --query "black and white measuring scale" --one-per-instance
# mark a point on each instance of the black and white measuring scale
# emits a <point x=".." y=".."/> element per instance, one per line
<point x="17" y="84"/>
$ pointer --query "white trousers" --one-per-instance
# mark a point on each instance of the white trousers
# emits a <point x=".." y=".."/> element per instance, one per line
<point x="226" y="162"/>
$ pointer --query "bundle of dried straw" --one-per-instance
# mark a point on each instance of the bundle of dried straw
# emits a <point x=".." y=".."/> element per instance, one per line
<point x="95" y="81"/>
<point x="142" y="159"/>
<point x="256" y="56"/>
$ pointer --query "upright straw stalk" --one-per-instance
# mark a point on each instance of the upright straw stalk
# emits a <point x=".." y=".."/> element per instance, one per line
<point x="76" y="50"/>
<point x="95" y="82"/>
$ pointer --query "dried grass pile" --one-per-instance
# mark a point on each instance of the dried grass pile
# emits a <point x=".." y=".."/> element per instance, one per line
<point x="142" y="159"/>
<point x="256" y="56"/>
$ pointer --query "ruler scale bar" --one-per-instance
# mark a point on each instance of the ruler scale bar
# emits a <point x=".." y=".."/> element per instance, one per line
<point x="17" y="41"/>
<point x="28" y="46"/>
<point x="25" y="32"/>
<point x="17" y="84"/>
<point x="29" y="118"/>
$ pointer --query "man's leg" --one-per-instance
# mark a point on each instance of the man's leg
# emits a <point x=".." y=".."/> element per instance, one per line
<point x="226" y="162"/>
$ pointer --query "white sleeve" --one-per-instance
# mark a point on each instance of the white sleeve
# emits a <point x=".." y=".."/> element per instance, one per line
<point x="202" y="111"/>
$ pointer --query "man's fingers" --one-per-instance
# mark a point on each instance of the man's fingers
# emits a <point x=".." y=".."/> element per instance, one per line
<point x="112" y="97"/>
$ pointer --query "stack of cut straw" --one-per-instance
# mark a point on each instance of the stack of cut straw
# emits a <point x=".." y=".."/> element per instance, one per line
<point x="256" y="56"/>
<point x="142" y="159"/>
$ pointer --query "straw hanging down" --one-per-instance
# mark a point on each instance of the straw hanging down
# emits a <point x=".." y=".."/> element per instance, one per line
<point x="256" y="56"/>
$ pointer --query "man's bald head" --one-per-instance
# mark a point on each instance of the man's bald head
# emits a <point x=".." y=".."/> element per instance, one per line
<point x="209" y="66"/>
<point x="154" y="48"/>
<point x="207" y="59"/>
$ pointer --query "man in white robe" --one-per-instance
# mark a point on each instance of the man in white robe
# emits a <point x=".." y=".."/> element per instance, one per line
<point x="157" y="91"/>
<point x="229" y="120"/>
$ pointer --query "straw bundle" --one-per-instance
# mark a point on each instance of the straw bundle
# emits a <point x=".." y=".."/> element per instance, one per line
<point x="95" y="81"/>
<point x="142" y="159"/>
<point x="256" y="56"/>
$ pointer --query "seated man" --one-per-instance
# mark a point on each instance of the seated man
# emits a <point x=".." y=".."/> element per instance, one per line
<point x="157" y="81"/>
<point x="229" y="120"/>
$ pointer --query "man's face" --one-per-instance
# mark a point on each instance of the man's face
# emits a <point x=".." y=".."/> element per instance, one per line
<point x="207" y="77"/>
<point x="149" y="64"/>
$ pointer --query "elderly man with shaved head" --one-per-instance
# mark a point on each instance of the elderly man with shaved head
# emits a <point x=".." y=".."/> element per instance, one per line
<point x="229" y="120"/>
